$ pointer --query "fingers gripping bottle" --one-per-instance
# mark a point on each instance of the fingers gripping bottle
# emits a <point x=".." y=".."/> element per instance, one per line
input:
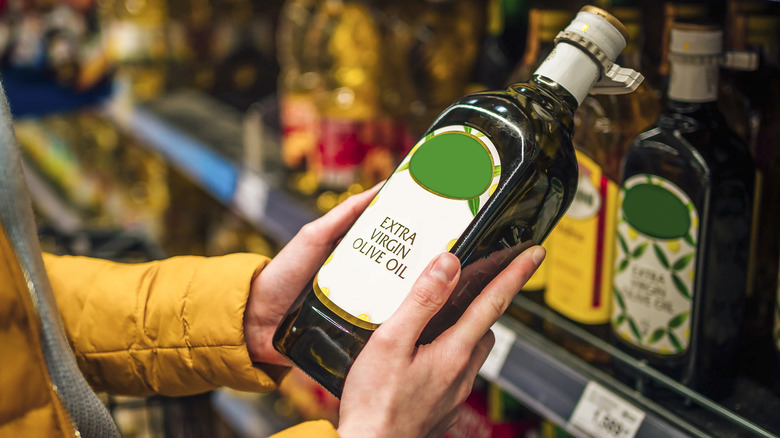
<point x="491" y="176"/>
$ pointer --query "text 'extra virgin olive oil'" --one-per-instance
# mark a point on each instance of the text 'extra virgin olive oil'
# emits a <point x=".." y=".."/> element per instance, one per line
<point x="491" y="176"/>
<point x="684" y="227"/>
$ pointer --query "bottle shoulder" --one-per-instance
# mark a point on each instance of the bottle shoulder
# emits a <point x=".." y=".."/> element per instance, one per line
<point x="680" y="143"/>
<point x="523" y="111"/>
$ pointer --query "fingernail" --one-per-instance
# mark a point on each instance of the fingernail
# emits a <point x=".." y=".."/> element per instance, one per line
<point x="538" y="255"/>
<point x="445" y="268"/>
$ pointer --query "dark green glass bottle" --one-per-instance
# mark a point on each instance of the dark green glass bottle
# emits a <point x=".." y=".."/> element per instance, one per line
<point x="684" y="228"/>
<point x="491" y="177"/>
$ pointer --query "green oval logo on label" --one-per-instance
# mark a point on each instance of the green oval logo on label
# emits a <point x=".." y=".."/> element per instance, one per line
<point x="454" y="165"/>
<point x="656" y="212"/>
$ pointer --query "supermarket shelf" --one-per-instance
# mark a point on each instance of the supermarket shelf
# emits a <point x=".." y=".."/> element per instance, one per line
<point x="203" y="138"/>
<point x="550" y="380"/>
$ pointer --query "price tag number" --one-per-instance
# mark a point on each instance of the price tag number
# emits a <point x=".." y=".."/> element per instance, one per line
<point x="600" y="413"/>
<point x="609" y="424"/>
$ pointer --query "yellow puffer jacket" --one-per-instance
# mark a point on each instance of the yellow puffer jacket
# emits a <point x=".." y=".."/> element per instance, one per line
<point x="172" y="327"/>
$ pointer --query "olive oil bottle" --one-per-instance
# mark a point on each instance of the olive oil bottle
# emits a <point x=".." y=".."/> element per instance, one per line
<point x="491" y="176"/>
<point x="683" y="227"/>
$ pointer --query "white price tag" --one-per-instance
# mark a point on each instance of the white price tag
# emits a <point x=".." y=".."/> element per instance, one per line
<point x="600" y="413"/>
<point x="505" y="338"/>
<point x="251" y="195"/>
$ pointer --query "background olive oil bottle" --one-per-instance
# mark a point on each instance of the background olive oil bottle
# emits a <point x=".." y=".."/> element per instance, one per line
<point x="490" y="177"/>
<point x="684" y="226"/>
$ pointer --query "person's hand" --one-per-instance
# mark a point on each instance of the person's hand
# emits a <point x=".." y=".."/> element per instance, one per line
<point x="398" y="389"/>
<point x="280" y="283"/>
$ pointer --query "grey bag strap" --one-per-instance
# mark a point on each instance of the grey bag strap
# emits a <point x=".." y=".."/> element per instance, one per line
<point x="88" y="413"/>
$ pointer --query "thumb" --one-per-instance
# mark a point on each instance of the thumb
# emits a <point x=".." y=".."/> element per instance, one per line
<point x="426" y="297"/>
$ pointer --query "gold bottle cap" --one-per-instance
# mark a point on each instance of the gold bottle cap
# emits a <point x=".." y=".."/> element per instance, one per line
<point x="607" y="16"/>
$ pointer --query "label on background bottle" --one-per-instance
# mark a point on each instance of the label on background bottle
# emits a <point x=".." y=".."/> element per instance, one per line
<point x="341" y="151"/>
<point x="657" y="233"/>
<point x="422" y="210"/>
<point x="582" y="249"/>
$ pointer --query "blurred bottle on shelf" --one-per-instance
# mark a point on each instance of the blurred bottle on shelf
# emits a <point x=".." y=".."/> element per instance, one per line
<point x="582" y="246"/>
<point x="297" y="84"/>
<point x="749" y="103"/>
<point x="142" y="197"/>
<point x="493" y="63"/>
<point x="388" y="136"/>
<point x="683" y="228"/>
<point x="344" y="46"/>
<point x="245" y="65"/>
<point x="446" y="42"/>
<point x="545" y="20"/>
<point x="138" y="41"/>
<point x="191" y="23"/>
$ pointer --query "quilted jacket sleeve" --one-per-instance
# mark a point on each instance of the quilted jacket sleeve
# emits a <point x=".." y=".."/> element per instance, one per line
<point x="171" y="327"/>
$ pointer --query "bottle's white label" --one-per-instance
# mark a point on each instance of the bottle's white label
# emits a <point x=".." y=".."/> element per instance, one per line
<point x="422" y="210"/>
<point x="655" y="265"/>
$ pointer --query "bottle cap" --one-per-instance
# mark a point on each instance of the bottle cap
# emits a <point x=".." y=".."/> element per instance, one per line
<point x="703" y="44"/>
<point x="696" y="39"/>
<point x="603" y="37"/>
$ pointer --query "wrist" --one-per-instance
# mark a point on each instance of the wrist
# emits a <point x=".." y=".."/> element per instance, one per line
<point x="259" y="329"/>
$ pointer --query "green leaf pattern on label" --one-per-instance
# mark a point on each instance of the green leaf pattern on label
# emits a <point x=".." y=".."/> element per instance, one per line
<point x="474" y="205"/>
<point x="653" y="280"/>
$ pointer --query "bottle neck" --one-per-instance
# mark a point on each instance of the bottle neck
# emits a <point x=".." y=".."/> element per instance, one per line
<point x="572" y="69"/>
<point x="552" y="96"/>
<point x="695" y="83"/>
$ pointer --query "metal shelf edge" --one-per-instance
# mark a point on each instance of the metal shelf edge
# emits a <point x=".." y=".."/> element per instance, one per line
<point x="550" y="381"/>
